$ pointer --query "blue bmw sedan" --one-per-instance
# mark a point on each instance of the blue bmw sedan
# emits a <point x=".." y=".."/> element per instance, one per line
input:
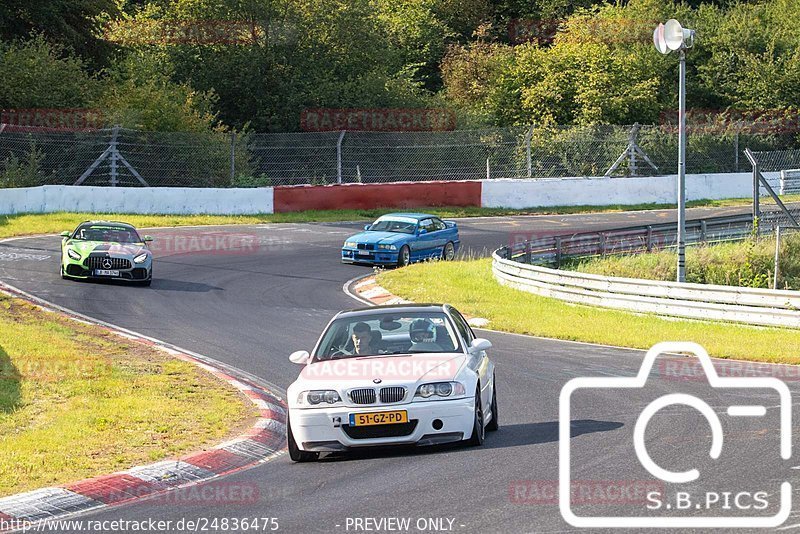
<point x="402" y="238"/>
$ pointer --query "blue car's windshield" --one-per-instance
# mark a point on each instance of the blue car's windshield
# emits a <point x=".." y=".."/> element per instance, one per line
<point x="393" y="225"/>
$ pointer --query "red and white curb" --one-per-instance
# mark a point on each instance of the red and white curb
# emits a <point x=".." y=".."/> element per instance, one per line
<point x="368" y="291"/>
<point x="262" y="442"/>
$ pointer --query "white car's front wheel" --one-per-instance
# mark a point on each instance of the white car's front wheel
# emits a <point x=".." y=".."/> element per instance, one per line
<point x="295" y="453"/>
<point x="478" y="430"/>
<point x="494" y="422"/>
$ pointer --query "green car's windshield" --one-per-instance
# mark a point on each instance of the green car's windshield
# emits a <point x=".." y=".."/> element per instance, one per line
<point x="106" y="232"/>
<point x="403" y="226"/>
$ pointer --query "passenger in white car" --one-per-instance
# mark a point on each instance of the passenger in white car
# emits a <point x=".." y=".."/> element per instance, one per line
<point x="423" y="337"/>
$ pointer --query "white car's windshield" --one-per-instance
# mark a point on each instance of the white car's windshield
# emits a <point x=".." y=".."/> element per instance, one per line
<point x="386" y="334"/>
<point x="107" y="233"/>
<point x="394" y="225"/>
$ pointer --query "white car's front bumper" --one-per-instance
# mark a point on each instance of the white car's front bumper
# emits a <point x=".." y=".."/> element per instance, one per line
<point x="328" y="429"/>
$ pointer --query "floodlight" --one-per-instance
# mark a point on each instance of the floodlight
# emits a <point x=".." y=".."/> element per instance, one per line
<point x="676" y="36"/>
<point x="659" y="40"/>
<point x="668" y="37"/>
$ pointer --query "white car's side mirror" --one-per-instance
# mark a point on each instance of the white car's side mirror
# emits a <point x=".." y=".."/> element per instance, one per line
<point x="300" y="357"/>
<point x="478" y="344"/>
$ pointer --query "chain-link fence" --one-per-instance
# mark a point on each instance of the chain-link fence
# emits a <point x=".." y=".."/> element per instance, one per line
<point x="122" y="157"/>
<point x="776" y="200"/>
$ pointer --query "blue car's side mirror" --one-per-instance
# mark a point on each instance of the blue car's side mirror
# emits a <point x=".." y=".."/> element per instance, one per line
<point x="367" y="227"/>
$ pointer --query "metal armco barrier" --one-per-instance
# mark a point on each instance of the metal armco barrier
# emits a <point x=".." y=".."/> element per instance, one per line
<point x="511" y="266"/>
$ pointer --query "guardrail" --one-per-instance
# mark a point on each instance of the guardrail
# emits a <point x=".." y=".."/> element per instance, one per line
<point x="694" y="301"/>
<point x="629" y="240"/>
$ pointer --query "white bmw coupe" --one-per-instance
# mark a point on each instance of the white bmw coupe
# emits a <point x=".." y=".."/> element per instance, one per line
<point x="388" y="375"/>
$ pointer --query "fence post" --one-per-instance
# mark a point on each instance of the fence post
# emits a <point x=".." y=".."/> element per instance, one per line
<point x="703" y="228"/>
<point x="114" y="155"/>
<point x="736" y="151"/>
<point x="528" y="251"/>
<point x="233" y="157"/>
<point x="339" y="157"/>
<point x="558" y="252"/>
<point x="602" y="244"/>
<point x="777" y="255"/>
<point x="649" y="238"/>
<point x="488" y="171"/>
<point x="528" y="158"/>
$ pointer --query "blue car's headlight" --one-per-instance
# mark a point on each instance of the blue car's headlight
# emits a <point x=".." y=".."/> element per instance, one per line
<point x="387" y="247"/>
<point x="140" y="258"/>
<point x="350" y="244"/>
<point x="72" y="254"/>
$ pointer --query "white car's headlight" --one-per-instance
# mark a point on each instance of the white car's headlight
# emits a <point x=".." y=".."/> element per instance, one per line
<point x="140" y="258"/>
<point x="350" y="244"/>
<point x="318" y="396"/>
<point x="440" y="389"/>
<point x="72" y="254"/>
<point x="387" y="247"/>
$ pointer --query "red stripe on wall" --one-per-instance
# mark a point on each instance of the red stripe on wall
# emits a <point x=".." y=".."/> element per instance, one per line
<point x="369" y="196"/>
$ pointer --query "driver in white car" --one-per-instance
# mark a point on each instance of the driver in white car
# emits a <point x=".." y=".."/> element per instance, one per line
<point x="423" y="336"/>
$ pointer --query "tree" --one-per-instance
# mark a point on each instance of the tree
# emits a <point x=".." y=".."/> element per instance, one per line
<point x="37" y="74"/>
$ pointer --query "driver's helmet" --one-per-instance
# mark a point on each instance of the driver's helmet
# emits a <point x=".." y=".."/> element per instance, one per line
<point x="422" y="331"/>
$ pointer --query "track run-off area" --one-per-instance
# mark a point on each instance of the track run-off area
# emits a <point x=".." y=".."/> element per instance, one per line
<point x="250" y="295"/>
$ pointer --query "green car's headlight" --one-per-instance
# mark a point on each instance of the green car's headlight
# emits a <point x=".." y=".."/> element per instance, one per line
<point x="140" y="258"/>
<point x="72" y="254"/>
<point x="387" y="247"/>
<point x="350" y="244"/>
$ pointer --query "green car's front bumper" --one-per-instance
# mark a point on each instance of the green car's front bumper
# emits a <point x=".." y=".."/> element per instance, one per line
<point x="105" y="267"/>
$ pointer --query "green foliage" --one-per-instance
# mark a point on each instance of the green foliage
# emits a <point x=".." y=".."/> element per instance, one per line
<point x="139" y="94"/>
<point x="22" y="172"/>
<point x="37" y="74"/>
<point x="749" y="263"/>
<point x="76" y="24"/>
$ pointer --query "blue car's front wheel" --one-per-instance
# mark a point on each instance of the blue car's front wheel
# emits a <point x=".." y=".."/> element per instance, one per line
<point x="404" y="257"/>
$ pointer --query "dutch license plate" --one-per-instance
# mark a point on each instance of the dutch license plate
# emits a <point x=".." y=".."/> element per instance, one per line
<point x="363" y="252"/>
<point x="378" y="418"/>
<point x="105" y="272"/>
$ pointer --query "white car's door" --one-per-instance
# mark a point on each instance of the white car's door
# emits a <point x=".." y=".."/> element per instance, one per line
<point x="480" y="360"/>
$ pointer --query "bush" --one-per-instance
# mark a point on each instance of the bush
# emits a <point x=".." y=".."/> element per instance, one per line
<point x="748" y="263"/>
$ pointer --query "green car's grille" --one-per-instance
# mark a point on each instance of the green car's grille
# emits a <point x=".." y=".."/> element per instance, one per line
<point x="97" y="262"/>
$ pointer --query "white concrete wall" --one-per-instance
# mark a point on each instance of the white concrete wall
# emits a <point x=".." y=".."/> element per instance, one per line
<point x="599" y="191"/>
<point x="167" y="200"/>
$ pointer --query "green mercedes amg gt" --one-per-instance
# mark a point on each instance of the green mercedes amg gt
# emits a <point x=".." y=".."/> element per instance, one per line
<point x="106" y="250"/>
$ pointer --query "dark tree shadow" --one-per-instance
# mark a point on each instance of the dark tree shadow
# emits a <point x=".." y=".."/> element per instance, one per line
<point x="9" y="384"/>
<point x="537" y="433"/>
<point x="508" y="436"/>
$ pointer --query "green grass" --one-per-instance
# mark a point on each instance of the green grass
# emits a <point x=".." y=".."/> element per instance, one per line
<point x="748" y="263"/>
<point x="50" y="223"/>
<point x="77" y="401"/>
<point x="470" y="287"/>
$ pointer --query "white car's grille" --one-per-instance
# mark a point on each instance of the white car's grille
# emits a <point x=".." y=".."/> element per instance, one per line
<point x="392" y="394"/>
<point x="363" y="396"/>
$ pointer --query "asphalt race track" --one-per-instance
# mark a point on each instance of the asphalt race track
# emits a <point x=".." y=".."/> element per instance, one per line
<point x="251" y="305"/>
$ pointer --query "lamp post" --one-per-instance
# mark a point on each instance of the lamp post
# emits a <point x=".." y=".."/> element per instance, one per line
<point x="669" y="37"/>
